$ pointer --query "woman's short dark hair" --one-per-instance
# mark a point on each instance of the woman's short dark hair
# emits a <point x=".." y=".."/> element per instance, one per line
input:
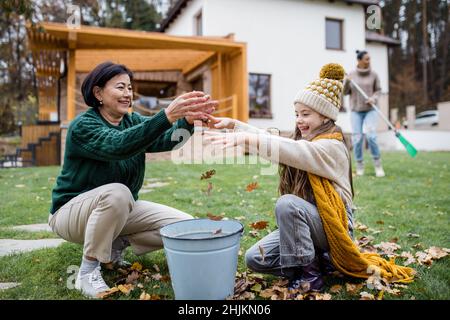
<point x="99" y="77"/>
<point x="360" y="54"/>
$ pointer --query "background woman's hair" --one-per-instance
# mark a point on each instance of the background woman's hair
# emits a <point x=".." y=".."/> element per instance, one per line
<point x="295" y="181"/>
<point x="360" y="54"/>
<point x="99" y="77"/>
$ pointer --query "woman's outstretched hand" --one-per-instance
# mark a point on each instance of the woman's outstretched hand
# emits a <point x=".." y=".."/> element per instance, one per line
<point x="193" y="105"/>
<point x="229" y="139"/>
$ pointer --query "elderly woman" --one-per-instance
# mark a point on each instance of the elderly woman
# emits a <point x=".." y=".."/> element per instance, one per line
<point x="95" y="200"/>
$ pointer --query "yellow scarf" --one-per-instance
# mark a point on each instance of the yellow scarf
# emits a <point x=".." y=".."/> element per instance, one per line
<point x="345" y="254"/>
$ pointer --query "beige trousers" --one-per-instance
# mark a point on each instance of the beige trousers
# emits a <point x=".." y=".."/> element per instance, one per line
<point x="97" y="217"/>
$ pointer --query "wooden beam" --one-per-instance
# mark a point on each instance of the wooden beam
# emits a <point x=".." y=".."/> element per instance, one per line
<point x="71" y="85"/>
<point x="108" y="38"/>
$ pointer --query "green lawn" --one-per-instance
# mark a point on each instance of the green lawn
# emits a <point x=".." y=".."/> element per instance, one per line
<point x="412" y="198"/>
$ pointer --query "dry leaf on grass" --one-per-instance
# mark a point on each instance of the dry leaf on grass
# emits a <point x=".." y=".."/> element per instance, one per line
<point x="105" y="294"/>
<point x="364" y="241"/>
<point x="132" y="277"/>
<point x="353" y="288"/>
<point x="208" y="174"/>
<point x="259" y="225"/>
<point x="336" y="288"/>
<point x="125" y="288"/>
<point x="146" y="296"/>
<point x="388" y="248"/>
<point x="214" y="217"/>
<point x="361" y="227"/>
<point x="366" y="296"/>
<point x="136" y="266"/>
<point x="252" y="186"/>
<point x="437" y="253"/>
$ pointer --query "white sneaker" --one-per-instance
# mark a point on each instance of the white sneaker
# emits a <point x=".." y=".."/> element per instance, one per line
<point x="91" y="284"/>
<point x="359" y="169"/>
<point x="379" y="172"/>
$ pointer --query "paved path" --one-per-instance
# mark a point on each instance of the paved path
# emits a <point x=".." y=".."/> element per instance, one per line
<point x="10" y="246"/>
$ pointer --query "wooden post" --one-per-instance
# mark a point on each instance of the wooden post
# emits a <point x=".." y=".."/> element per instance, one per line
<point x="234" y="107"/>
<point x="410" y="116"/>
<point x="71" y="75"/>
<point x="243" y="103"/>
<point x="71" y="83"/>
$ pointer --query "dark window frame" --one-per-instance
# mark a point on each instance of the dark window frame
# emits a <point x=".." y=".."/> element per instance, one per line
<point x="252" y="113"/>
<point x="198" y="23"/>
<point x="341" y="33"/>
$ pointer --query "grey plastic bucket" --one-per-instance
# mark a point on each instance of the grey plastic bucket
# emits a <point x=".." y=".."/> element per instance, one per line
<point x="202" y="257"/>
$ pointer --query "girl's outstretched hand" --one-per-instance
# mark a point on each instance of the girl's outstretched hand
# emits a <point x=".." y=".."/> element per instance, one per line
<point x="220" y="123"/>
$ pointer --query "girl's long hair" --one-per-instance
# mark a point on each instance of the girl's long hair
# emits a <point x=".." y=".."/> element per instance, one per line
<point x="295" y="181"/>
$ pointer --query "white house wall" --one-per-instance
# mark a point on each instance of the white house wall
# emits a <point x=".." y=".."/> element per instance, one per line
<point x="285" y="38"/>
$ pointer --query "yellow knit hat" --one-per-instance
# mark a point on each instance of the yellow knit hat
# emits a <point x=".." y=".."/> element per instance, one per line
<point x="324" y="94"/>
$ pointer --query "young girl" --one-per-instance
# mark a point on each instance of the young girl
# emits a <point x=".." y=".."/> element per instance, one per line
<point x="314" y="212"/>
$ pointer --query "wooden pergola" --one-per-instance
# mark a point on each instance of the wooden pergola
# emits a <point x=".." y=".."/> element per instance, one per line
<point x="83" y="48"/>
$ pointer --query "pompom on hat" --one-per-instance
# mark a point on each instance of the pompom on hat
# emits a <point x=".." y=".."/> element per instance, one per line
<point x="323" y="95"/>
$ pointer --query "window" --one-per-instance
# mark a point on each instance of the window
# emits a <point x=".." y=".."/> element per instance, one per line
<point x="198" y="24"/>
<point x="333" y="34"/>
<point x="259" y="95"/>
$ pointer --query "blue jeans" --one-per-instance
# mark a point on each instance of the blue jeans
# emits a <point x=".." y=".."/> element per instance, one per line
<point x="370" y="118"/>
<point x="299" y="237"/>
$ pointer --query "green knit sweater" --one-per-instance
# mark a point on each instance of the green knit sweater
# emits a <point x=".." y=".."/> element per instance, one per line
<point x="98" y="153"/>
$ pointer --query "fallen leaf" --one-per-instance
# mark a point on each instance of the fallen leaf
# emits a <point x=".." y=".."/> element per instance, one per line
<point x="364" y="241"/>
<point x="218" y="231"/>
<point x="132" y="277"/>
<point x="252" y="186"/>
<point x="323" y="296"/>
<point x="424" y="258"/>
<point x="281" y="282"/>
<point x="361" y="227"/>
<point x="155" y="266"/>
<point x="409" y="258"/>
<point x="107" y="293"/>
<point x="259" y="225"/>
<point x="136" y="266"/>
<point x="353" y="288"/>
<point x="208" y="174"/>
<point x="144" y="296"/>
<point x="437" y="253"/>
<point x="240" y="218"/>
<point x="388" y="248"/>
<point x="214" y="217"/>
<point x="380" y="222"/>
<point x="366" y="296"/>
<point x="336" y="288"/>
<point x="125" y="288"/>
<point x="20" y="185"/>
<point x="156" y="276"/>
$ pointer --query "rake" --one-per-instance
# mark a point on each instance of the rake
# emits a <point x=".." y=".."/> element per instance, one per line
<point x="409" y="147"/>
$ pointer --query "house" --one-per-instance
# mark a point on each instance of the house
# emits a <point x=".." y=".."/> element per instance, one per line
<point x="287" y="43"/>
<point x="163" y="65"/>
